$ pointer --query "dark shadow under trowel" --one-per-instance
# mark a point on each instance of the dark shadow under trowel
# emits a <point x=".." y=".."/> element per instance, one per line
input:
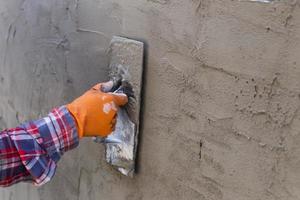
<point x="125" y="69"/>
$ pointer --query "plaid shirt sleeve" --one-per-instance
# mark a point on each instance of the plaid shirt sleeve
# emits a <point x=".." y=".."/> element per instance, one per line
<point x="30" y="151"/>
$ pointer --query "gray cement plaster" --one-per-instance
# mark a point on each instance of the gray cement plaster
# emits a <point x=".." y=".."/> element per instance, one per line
<point x="221" y="103"/>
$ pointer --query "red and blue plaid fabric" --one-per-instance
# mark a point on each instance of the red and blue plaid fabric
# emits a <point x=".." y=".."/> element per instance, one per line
<point x="30" y="151"/>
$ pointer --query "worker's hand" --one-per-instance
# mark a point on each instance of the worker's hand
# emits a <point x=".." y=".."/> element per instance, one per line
<point x="95" y="111"/>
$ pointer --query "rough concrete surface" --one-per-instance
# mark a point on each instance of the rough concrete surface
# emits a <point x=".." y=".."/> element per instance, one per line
<point x="221" y="103"/>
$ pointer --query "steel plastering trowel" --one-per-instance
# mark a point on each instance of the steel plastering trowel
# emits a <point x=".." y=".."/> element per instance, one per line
<point x="125" y="70"/>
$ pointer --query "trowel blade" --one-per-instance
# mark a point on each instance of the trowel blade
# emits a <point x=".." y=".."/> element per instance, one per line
<point x="126" y="62"/>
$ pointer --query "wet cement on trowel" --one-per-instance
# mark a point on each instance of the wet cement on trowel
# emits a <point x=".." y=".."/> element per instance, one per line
<point x="221" y="109"/>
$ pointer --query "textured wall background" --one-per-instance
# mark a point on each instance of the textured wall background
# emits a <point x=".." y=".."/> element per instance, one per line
<point x="221" y="113"/>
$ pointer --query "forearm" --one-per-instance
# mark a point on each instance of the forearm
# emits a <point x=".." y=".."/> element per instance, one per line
<point x="30" y="152"/>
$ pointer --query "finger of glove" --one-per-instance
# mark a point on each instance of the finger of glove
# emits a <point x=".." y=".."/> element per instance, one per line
<point x="97" y="86"/>
<point x="103" y="87"/>
<point x="119" y="98"/>
<point x="107" y="86"/>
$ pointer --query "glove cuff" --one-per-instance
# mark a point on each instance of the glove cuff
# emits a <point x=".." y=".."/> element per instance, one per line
<point x="76" y="116"/>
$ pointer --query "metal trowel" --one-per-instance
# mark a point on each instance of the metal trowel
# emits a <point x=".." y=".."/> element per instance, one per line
<point x="125" y="70"/>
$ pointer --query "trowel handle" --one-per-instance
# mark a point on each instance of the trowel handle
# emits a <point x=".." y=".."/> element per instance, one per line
<point x="107" y="140"/>
<point x="99" y="140"/>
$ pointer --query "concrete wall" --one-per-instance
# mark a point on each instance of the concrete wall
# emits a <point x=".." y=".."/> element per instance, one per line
<point x="221" y="112"/>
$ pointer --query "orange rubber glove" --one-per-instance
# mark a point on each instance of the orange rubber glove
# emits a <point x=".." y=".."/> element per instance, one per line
<point x="95" y="111"/>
